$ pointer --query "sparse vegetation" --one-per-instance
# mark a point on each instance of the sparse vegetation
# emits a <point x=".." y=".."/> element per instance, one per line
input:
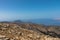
<point x="28" y="31"/>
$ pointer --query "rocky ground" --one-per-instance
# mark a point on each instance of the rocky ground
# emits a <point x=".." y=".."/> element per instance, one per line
<point x="26" y="31"/>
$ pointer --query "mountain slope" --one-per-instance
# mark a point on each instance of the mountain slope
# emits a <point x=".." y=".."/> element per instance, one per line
<point x="26" y="31"/>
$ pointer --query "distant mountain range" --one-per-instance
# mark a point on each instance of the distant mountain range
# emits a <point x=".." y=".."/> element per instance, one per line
<point x="38" y="21"/>
<point x="18" y="21"/>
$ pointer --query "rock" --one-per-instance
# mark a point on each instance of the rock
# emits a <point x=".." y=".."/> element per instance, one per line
<point x="11" y="31"/>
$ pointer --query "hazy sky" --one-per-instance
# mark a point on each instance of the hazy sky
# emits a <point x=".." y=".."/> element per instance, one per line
<point x="29" y="9"/>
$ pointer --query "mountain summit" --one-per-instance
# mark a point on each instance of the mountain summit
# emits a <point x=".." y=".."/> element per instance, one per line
<point x="28" y="31"/>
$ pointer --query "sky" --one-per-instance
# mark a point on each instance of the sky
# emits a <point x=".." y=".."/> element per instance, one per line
<point x="29" y="9"/>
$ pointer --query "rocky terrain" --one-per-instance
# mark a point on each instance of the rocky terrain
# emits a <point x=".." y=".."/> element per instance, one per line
<point x="28" y="31"/>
